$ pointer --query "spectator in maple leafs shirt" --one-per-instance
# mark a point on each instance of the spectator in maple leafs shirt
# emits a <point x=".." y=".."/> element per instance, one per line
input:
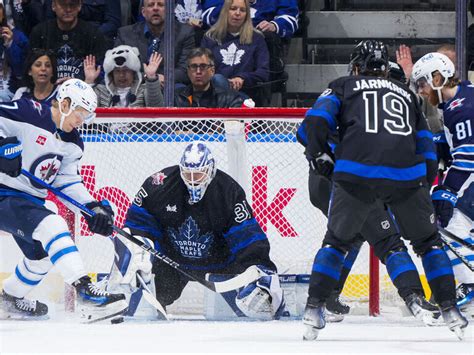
<point x="71" y="39"/>
<point x="240" y="51"/>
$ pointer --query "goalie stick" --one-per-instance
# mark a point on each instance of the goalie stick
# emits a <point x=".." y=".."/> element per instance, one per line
<point x="251" y="274"/>
<point x="148" y="296"/>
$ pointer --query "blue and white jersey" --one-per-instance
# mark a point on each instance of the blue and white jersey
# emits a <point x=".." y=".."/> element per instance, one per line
<point x="458" y="114"/>
<point x="282" y="13"/>
<point x="48" y="153"/>
<point x="25" y="92"/>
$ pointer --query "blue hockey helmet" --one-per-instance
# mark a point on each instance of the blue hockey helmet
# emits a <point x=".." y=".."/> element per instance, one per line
<point x="198" y="168"/>
<point x="370" y="57"/>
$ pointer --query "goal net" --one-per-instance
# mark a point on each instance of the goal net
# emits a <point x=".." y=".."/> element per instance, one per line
<point x="257" y="147"/>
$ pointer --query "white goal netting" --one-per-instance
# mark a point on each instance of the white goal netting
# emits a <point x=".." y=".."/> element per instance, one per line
<point x="260" y="152"/>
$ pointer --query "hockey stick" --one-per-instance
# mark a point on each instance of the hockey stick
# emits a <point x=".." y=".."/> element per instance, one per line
<point x="460" y="256"/>
<point x="148" y="296"/>
<point x="251" y="274"/>
<point x="455" y="238"/>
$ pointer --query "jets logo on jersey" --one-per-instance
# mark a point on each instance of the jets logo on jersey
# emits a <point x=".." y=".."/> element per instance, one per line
<point x="37" y="106"/>
<point x="41" y="140"/>
<point x="46" y="167"/>
<point x="158" y="178"/>
<point x="48" y="170"/>
<point x="188" y="241"/>
<point x="456" y="103"/>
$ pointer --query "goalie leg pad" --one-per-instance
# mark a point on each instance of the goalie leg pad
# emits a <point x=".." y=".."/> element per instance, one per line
<point x="130" y="259"/>
<point x="262" y="299"/>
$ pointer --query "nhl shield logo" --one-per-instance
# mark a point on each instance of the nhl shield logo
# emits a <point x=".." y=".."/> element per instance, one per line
<point x="385" y="225"/>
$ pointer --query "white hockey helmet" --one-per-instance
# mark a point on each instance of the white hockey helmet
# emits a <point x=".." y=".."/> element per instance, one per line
<point x="198" y="168"/>
<point x="428" y="64"/>
<point x="80" y="94"/>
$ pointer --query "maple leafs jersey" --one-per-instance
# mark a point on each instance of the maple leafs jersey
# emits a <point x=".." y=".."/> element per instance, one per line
<point x="283" y="13"/>
<point x="383" y="135"/>
<point x="49" y="154"/>
<point x="248" y="61"/>
<point x="458" y="117"/>
<point x="219" y="232"/>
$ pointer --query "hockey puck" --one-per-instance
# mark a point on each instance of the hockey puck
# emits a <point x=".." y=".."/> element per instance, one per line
<point x="117" y="320"/>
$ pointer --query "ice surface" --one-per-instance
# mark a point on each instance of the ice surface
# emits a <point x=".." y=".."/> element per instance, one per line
<point x="357" y="334"/>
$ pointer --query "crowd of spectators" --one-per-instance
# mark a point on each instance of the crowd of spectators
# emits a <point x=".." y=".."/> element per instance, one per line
<point x="118" y="47"/>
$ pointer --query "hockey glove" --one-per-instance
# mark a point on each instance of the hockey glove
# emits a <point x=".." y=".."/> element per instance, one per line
<point x="103" y="220"/>
<point x="444" y="200"/>
<point x="10" y="156"/>
<point x="262" y="299"/>
<point x="323" y="164"/>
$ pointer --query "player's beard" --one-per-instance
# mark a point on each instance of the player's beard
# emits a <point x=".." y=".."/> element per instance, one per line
<point x="433" y="98"/>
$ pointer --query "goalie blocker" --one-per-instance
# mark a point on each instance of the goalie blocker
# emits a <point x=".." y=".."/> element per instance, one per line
<point x="198" y="216"/>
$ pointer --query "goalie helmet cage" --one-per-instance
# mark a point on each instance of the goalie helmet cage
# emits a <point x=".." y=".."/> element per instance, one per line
<point x="257" y="147"/>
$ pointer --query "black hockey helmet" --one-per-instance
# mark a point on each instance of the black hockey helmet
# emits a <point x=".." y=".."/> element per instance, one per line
<point x="370" y="57"/>
<point x="396" y="72"/>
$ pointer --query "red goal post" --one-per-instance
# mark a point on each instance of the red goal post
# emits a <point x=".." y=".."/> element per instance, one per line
<point x="257" y="147"/>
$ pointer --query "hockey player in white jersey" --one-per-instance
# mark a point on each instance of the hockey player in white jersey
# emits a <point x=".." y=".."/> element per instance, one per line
<point x="453" y="198"/>
<point x="44" y="141"/>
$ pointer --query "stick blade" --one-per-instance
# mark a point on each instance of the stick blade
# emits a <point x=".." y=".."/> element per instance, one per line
<point x="251" y="274"/>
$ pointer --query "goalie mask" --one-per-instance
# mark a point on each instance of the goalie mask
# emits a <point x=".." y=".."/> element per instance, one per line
<point x="370" y="58"/>
<point x="198" y="168"/>
<point x="427" y="65"/>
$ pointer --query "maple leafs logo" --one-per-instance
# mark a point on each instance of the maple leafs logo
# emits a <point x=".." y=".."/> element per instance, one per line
<point x="231" y="56"/>
<point x="188" y="242"/>
<point x="190" y="10"/>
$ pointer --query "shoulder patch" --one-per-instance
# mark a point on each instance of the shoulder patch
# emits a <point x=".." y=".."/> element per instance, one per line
<point x="158" y="178"/>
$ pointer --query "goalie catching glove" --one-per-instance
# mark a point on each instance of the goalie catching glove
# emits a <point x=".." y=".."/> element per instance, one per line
<point x="130" y="260"/>
<point x="262" y="299"/>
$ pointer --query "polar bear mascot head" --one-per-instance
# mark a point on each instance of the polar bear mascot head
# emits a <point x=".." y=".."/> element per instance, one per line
<point x="122" y="56"/>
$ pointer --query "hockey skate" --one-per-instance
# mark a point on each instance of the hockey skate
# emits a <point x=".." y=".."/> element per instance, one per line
<point x="314" y="319"/>
<point x="20" y="308"/>
<point x="423" y="310"/>
<point x="454" y="320"/>
<point x="335" y="309"/>
<point x="465" y="298"/>
<point x="96" y="304"/>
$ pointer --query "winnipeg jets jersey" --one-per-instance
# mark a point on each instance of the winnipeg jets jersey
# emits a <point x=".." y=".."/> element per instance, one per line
<point x="219" y="232"/>
<point x="458" y="115"/>
<point x="49" y="154"/>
